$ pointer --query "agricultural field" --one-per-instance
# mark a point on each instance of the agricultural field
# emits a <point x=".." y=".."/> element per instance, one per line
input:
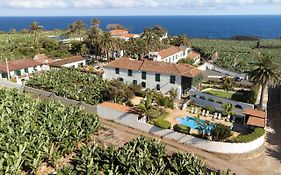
<point x="35" y="132"/>
<point x="140" y="156"/>
<point x="15" y="45"/>
<point x="73" y="84"/>
<point x="236" y="55"/>
<point x="38" y="136"/>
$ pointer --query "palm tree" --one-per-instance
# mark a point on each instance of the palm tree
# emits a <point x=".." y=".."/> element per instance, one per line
<point x="107" y="43"/>
<point x="264" y="72"/>
<point x="227" y="85"/>
<point x="76" y="28"/>
<point x="182" y="40"/>
<point x="228" y="108"/>
<point x="35" y="30"/>
<point x="96" y="22"/>
<point x="145" y="106"/>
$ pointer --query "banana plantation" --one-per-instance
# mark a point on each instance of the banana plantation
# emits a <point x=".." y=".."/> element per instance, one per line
<point x="73" y="84"/>
<point x="138" y="157"/>
<point x="34" y="131"/>
<point x="236" y="55"/>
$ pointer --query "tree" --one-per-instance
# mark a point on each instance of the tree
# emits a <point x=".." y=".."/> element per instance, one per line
<point x="96" y="22"/>
<point x="228" y="85"/>
<point x="107" y="44"/>
<point x="76" y="28"/>
<point x="181" y="40"/>
<point x="228" y="108"/>
<point x="145" y="105"/>
<point x="35" y="30"/>
<point x="264" y="72"/>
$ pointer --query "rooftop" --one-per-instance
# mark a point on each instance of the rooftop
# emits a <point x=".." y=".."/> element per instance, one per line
<point x="193" y="54"/>
<point x="255" y="113"/>
<point x="170" y="51"/>
<point x="256" y="117"/>
<point x="18" y="64"/>
<point x="119" y="32"/>
<point x="184" y="70"/>
<point x="68" y="60"/>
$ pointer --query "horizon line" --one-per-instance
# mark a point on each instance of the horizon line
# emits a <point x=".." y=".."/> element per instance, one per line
<point x="144" y="15"/>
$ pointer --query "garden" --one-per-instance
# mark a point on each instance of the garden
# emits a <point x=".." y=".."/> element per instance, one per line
<point x="36" y="133"/>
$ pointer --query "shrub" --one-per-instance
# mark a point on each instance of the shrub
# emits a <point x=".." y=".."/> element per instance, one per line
<point x="258" y="132"/>
<point x="165" y="101"/>
<point x="211" y="109"/>
<point x="164" y="124"/>
<point x="135" y="88"/>
<point x="220" y="132"/>
<point x="181" y="128"/>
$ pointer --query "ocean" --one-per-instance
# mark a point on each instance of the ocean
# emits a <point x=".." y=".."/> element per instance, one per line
<point x="267" y="27"/>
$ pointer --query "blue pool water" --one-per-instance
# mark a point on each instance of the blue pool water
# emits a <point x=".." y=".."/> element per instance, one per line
<point x="191" y="122"/>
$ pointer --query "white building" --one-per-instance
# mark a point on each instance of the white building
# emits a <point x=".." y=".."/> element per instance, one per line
<point x="70" y="62"/>
<point x="170" y="55"/>
<point x="154" y="75"/>
<point x="195" y="56"/>
<point x="20" y="70"/>
<point x="123" y="34"/>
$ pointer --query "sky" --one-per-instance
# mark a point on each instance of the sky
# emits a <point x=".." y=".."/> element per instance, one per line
<point x="138" y="7"/>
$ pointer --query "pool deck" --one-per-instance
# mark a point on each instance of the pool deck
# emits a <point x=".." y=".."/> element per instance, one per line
<point x="176" y="113"/>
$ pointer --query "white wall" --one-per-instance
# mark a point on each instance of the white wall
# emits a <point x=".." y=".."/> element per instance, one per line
<point x="195" y="96"/>
<point x="75" y="64"/>
<point x="165" y="85"/>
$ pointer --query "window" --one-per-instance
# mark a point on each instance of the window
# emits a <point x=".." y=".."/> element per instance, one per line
<point x="117" y="71"/>
<point x="157" y="77"/>
<point x="143" y="75"/>
<point x="143" y="84"/>
<point x="130" y="73"/>
<point x="173" y="79"/>
<point x="135" y="82"/>
<point x="158" y="87"/>
<point x="26" y="70"/>
<point x="18" y="73"/>
<point x="35" y="69"/>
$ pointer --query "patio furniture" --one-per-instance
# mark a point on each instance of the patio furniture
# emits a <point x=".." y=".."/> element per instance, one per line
<point x="219" y="117"/>
<point x="216" y="115"/>
<point x="228" y="118"/>
<point x="207" y="113"/>
<point x="196" y="111"/>
<point x="204" y="112"/>
<point x="192" y="110"/>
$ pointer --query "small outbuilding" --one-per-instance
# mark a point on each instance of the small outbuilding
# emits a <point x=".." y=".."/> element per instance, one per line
<point x="255" y="118"/>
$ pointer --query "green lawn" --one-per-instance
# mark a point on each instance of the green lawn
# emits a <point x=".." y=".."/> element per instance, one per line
<point x="242" y="96"/>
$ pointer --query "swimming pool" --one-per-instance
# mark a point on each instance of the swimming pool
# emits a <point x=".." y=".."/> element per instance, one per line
<point x="191" y="122"/>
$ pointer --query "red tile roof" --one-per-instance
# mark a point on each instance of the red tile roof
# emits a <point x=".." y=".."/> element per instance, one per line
<point x="42" y="58"/>
<point x="193" y="54"/>
<point x="170" y="51"/>
<point x="119" y="32"/>
<point x="68" y="60"/>
<point x="254" y="121"/>
<point x="18" y="64"/>
<point x="184" y="70"/>
<point x="255" y="113"/>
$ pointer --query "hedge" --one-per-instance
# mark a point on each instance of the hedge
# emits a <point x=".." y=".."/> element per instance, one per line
<point x="181" y="128"/>
<point x="164" y="124"/>
<point x="258" y="132"/>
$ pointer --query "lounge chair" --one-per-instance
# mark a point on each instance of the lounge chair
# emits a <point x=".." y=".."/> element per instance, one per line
<point x="207" y="113"/>
<point x="216" y="115"/>
<point x="192" y="110"/>
<point x="219" y="117"/>
<point x="204" y="112"/>
<point x="196" y="111"/>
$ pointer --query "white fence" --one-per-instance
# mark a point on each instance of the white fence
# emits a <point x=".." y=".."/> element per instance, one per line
<point x="204" y="100"/>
